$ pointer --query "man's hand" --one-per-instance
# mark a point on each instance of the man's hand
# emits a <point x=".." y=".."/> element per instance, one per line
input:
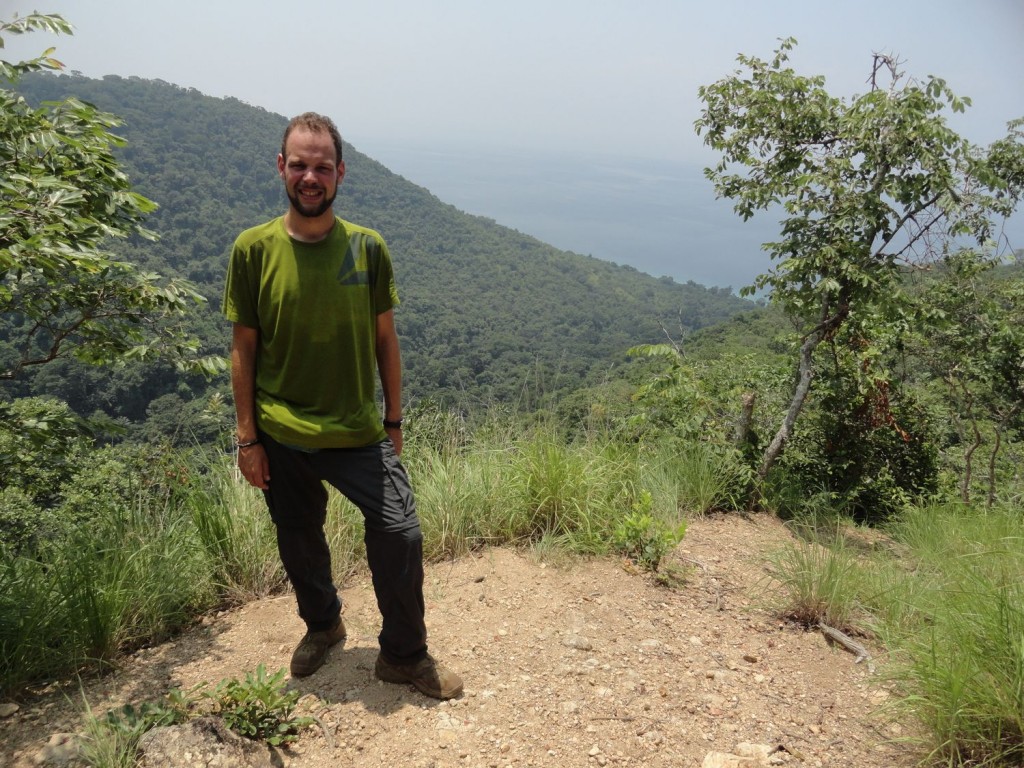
<point x="252" y="461"/>
<point x="396" y="437"/>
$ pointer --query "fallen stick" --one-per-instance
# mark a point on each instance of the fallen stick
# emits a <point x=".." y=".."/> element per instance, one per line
<point x="848" y="643"/>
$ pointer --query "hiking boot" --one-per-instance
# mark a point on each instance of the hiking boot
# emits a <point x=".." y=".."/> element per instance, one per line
<point x="427" y="675"/>
<point x="311" y="652"/>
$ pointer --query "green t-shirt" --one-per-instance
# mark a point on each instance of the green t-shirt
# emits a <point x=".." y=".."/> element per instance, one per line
<point x="315" y="305"/>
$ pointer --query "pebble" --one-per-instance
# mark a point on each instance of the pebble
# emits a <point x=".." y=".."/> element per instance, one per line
<point x="578" y="642"/>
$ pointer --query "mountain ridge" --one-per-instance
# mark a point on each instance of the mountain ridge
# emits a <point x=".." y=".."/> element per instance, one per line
<point x="486" y="310"/>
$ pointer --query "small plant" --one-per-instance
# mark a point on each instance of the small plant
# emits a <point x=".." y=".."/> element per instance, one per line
<point x="259" y="707"/>
<point x="644" y="538"/>
<point x="819" y="584"/>
<point x="112" y="740"/>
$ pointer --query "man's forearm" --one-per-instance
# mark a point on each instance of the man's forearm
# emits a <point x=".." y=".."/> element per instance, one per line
<point x="389" y="365"/>
<point x="243" y="381"/>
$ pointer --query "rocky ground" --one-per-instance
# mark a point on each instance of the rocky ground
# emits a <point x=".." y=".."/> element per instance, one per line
<point x="565" y="664"/>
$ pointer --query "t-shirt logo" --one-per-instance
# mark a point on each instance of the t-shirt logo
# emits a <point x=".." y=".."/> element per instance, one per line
<point x="350" y="272"/>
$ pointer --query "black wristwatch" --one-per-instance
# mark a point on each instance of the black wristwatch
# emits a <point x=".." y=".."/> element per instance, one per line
<point x="393" y="424"/>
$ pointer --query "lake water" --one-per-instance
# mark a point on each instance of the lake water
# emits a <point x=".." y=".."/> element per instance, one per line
<point x="660" y="217"/>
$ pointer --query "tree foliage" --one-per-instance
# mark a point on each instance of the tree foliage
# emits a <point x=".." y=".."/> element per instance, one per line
<point x="63" y="198"/>
<point x="971" y="338"/>
<point x="868" y="187"/>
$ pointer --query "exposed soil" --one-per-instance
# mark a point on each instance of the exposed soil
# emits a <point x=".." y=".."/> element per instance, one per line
<point x="572" y="664"/>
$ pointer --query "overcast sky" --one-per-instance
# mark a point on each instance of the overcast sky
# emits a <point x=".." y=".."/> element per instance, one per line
<point x="606" y="77"/>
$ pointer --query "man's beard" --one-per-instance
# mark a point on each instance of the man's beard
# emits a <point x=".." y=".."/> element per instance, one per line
<point x="311" y="213"/>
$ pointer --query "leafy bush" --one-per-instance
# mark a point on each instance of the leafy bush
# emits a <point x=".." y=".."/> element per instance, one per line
<point x="871" y="452"/>
<point x="42" y="444"/>
<point x="259" y="707"/>
<point x="22" y="522"/>
<point x="644" y="538"/>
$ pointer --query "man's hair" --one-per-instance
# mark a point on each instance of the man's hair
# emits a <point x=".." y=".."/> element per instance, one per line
<point x="316" y="123"/>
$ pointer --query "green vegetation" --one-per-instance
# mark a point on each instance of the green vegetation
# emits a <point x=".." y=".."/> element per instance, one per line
<point x="548" y="411"/>
<point x="488" y="316"/>
<point x="258" y="707"/>
<point x="64" y="198"/>
<point x="144" y="564"/>
<point x="869" y="187"/>
<point x="945" y="597"/>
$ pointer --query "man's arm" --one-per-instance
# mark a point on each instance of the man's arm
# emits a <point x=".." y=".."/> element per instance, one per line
<point x="252" y="460"/>
<point x="389" y="366"/>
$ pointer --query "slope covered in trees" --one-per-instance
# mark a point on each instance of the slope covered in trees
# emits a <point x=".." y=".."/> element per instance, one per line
<point x="488" y="313"/>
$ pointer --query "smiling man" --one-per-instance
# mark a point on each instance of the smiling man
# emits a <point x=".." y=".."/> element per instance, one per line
<point x="311" y="298"/>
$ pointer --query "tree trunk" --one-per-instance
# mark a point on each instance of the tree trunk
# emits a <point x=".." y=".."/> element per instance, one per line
<point x="803" y="386"/>
<point x="743" y="437"/>
<point x="1000" y="427"/>
<point x="965" y="483"/>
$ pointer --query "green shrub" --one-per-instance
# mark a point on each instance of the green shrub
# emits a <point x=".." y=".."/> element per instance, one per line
<point x="645" y="538"/>
<point x="259" y="707"/>
<point x="23" y="523"/>
<point x="871" y="453"/>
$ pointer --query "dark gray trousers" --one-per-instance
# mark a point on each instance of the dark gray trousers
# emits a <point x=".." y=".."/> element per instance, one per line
<point x="374" y="480"/>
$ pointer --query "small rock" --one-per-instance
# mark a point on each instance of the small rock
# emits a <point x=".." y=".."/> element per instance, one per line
<point x="754" y="751"/>
<point x="203" y="741"/>
<point x="61" y="749"/>
<point x="726" y="760"/>
<point x="8" y="708"/>
<point x="578" y="642"/>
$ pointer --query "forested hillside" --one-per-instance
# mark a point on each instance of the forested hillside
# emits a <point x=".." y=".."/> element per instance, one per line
<point x="488" y="314"/>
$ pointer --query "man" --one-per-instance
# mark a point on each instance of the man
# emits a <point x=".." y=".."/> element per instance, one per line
<point x="312" y="298"/>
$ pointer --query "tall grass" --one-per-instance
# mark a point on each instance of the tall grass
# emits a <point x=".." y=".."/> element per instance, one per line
<point x="129" y="579"/>
<point x="819" y="584"/>
<point x="235" y="529"/>
<point x="150" y="561"/>
<point x="697" y="478"/>
<point x="950" y="609"/>
<point x="574" y="494"/>
<point x="965" y="667"/>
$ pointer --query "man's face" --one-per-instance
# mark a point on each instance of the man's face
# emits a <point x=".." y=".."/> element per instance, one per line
<point x="310" y="171"/>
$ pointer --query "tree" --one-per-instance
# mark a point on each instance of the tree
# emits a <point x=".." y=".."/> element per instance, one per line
<point x="63" y="200"/>
<point x="974" y="344"/>
<point x="868" y="187"/>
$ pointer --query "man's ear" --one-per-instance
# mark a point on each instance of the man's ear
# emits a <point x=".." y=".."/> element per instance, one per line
<point x="341" y="171"/>
<point x="280" y="165"/>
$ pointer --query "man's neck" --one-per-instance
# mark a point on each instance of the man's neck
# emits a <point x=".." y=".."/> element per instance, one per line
<point x="306" y="229"/>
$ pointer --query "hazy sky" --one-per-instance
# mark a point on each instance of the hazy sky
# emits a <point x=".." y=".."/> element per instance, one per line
<point x="593" y="76"/>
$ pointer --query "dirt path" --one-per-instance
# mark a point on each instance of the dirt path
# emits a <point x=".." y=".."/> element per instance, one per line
<point x="584" y="665"/>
